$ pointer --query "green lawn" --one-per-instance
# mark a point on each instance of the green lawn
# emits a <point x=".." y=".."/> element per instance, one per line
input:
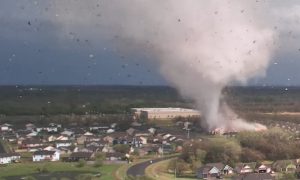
<point x="24" y="169"/>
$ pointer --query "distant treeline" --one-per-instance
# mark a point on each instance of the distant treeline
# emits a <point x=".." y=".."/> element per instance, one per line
<point x="52" y="100"/>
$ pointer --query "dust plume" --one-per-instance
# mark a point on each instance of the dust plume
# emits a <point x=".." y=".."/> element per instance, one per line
<point x="200" y="46"/>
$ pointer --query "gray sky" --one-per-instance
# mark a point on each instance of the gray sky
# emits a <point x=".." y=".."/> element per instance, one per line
<point x="58" y="42"/>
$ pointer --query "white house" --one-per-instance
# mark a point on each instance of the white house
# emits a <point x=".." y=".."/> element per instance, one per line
<point x="264" y="169"/>
<point x="62" y="138"/>
<point x="50" y="148"/>
<point x="143" y="139"/>
<point x="32" y="134"/>
<point x="6" y="127"/>
<point x="227" y="170"/>
<point x="88" y="134"/>
<point x="52" y="128"/>
<point x="152" y="130"/>
<point x="6" y="158"/>
<point x="67" y="133"/>
<point x="29" y="126"/>
<point x="45" y="156"/>
<point x="110" y="131"/>
<point x="63" y="143"/>
<point x="52" y="138"/>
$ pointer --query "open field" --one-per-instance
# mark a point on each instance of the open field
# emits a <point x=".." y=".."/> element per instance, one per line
<point x="49" y="100"/>
<point x="159" y="171"/>
<point x="25" y="169"/>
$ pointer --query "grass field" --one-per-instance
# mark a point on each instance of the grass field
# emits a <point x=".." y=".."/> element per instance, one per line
<point x="25" y="169"/>
<point x="159" y="171"/>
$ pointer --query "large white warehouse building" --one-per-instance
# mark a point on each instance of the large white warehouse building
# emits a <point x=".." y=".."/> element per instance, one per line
<point x="163" y="113"/>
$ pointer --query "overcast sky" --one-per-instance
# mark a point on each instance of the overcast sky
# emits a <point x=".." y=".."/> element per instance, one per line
<point x="58" y="42"/>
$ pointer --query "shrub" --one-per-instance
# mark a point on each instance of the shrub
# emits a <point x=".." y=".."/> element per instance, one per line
<point x="81" y="163"/>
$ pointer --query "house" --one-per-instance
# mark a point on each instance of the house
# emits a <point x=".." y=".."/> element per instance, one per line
<point x="6" y="158"/>
<point x="49" y="148"/>
<point x="113" y="125"/>
<point x="88" y="134"/>
<point x="95" y="143"/>
<point x="99" y="128"/>
<point x="227" y="170"/>
<point x="110" y="131"/>
<point x="284" y="166"/>
<point x="220" y="166"/>
<point x="76" y="156"/>
<point x="32" y="134"/>
<point x="29" y="126"/>
<point x="112" y="136"/>
<point x="166" y="136"/>
<point x="224" y="169"/>
<point x="44" y="155"/>
<point x="255" y="176"/>
<point x="165" y="149"/>
<point x="116" y="156"/>
<point x="51" y="138"/>
<point x="143" y="139"/>
<point x="152" y="130"/>
<point x="31" y="143"/>
<point x="51" y="128"/>
<point x="55" y="125"/>
<point x="63" y="143"/>
<point x="10" y="137"/>
<point x="67" y="133"/>
<point x="130" y="131"/>
<point x="67" y="150"/>
<point x="5" y="127"/>
<point x="146" y="150"/>
<point x="206" y="172"/>
<point x="263" y="168"/>
<point x="93" y="138"/>
<point x="244" y="168"/>
<point x="92" y="149"/>
<point x="62" y="138"/>
<point x="107" y="149"/>
<point x="81" y="139"/>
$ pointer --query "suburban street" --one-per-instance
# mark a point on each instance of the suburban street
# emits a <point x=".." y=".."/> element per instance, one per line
<point x="139" y="169"/>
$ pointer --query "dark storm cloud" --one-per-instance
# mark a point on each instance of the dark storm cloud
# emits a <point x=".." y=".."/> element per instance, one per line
<point x="58" y="42"/>
<point x="34" y="50"/>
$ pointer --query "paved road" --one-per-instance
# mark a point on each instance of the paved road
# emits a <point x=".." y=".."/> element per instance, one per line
<point x="139" y="169"/>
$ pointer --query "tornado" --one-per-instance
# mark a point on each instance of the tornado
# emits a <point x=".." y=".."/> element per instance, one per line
<point x="200" y="47"/>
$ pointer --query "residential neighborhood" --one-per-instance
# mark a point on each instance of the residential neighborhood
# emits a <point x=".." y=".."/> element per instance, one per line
<point x="73" y="144"/>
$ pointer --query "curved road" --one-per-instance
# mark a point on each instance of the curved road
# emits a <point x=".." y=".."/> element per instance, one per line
<point x="139" y="169"/>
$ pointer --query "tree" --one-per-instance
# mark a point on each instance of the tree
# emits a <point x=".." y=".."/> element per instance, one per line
<point x="223" y="150"/>
<point x="251" y="155"/>
<point x="122" y="148"/>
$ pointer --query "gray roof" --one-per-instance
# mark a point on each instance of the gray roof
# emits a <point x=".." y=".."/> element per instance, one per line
<point x="204" y="169"/>
<point x="2" y="155"/>
<point x="81" y="155"/>
<point x="43" y="152"/>
<point x="219" y="165"/>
